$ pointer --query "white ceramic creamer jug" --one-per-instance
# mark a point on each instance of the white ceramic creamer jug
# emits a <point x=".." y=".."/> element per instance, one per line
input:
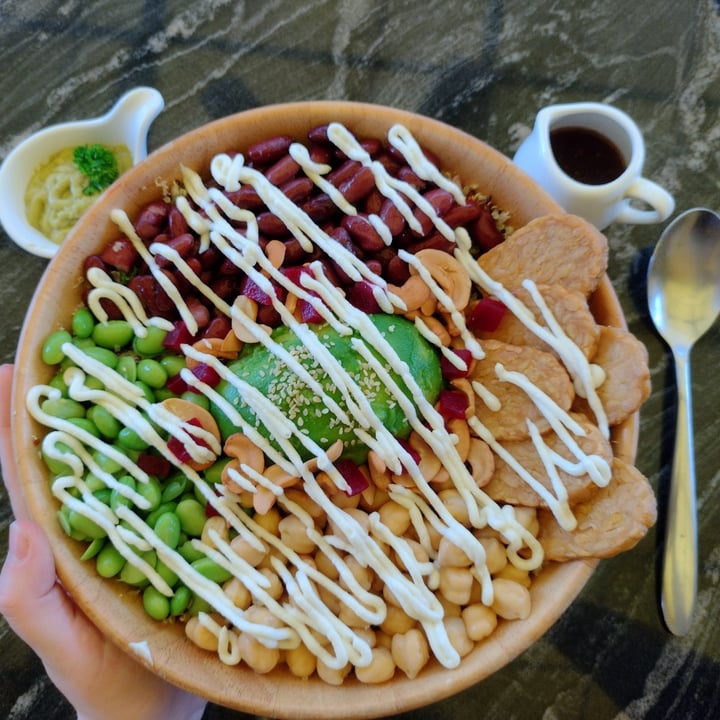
<point x="589" y="157"/>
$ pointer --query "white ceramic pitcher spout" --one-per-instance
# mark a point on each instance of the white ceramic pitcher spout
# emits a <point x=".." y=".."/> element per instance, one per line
<point x="616" y="200"/>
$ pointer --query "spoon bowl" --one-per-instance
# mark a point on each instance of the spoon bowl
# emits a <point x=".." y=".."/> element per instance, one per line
<point x="126" y="123"/>
<point x="684" y="302"/>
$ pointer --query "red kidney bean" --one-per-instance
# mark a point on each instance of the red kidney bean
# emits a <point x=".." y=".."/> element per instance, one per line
<point x="246" y="198"/>
<point x="182" y="244"/>
<point x="152" y="219"/>
<point x="268" y="315"/>
<point x="198" y="311"/>
<point x="298" y="190"/>
<point x="392" y="217"/>
<point x="268" y="151"/>
<point x="227" y="268"/>
<point x="94" y="261"/>
<point x="210" y="258"/>
<point x="271" y="225"/>
<point x="342" y="173"/>
<point x="397" y="271"/>
<point x="282" y="170"/>
<point x="374" y="266"/>
<point x="358" y="186"/>
<point x="177" y="225"/>
<point x="320" y="208"/>
<point x="373" y="202"/>
<point x="435" y="241"/>
<point x="318" y="134"/>
<point x="411" y="178"/>
<point x="365" y="236"/>
<point x="321" y="154"/>
<point x="120" y="254"/>
<point x="462" y="214"/>
<point x="441" y="201"/>
<point x="225" y="287"/>
<point x="294" y="253"/>
<point x="484" y="231"/>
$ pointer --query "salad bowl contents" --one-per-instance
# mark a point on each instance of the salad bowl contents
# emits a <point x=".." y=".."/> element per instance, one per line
<point x="333" y="396"/>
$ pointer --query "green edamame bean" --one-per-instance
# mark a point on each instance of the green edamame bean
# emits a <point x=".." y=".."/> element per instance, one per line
<point x="106" y="463"/>
<point x="213" y="474"/>
<point x="113" y="334"/>
<point x="168" y="575"/>
<point x="83" y="343"/>
<point x="128" y="438"/>
<point x="175" y="486"/>
<point x="93" y="549"/>
<point x="135" y="576"/>
<point x="192" y="516"/>
<point x="108" y="425"/>
<point x="52" y="352"/>
<point x="156" y="605"/>
<point x="94" y="383"/>
<point x="58" y="467"/>
<point x="150" y="491"/>
<point x="127" y="368"/>
<point x="83" y="323"/>
<point x="102" y="355"/>
<point x="63" y="408"/>
<point x="197" y="399"/>
<point x="188" y="552"/>
<point x="198" y="605"/>
<point x="58" y="382"/>
<point x="116" y="498"/>
<point x="164" y="507"/>
<point x="152" y="373"/>
<point x="167" y="528"/>
<point x="109" y="562"/>
<point x="94" y="483"/>
<point x="180" y="600"/>
<point x="172" y="364"/>
<point x="152" y="343"/>
<point x="104" y="495"/>
<point x="211" y="570"/>
<point x="163" y="394"/>
<point x="146" y="390"/>
<point x="84" y="525"/>
<point x="86" y="425"/>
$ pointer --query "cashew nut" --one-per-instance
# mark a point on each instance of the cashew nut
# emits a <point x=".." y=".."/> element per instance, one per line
<point x="448" y="273"/>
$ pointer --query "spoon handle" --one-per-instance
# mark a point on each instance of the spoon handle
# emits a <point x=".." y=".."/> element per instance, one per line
<point x="679" y="577"/>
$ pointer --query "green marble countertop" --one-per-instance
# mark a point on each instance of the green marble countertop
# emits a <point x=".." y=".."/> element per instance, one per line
<point x="485" y="67"/>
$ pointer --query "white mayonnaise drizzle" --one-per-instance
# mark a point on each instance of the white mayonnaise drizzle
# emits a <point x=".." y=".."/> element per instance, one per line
<point x="306" y="618"/>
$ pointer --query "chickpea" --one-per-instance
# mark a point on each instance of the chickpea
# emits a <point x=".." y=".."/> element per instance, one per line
<point x="300" y="661"/>
<point x="322" y="561"/>
<point x="455" y="504"/>
<point x="218" y="525"/>
<point x="480" y="621"/>
<point x="367" y="634"/>
<point x="301" y="498"/>
<point x="527" y="517"/>
<point x="276" y="588"/>
<point x="450" y="554"/>
<point x="410" y="651"/>
<point x="397" y="621"/>
<point x="252" y="555"/>
<point x="495" y="555"/>
<point x="510" y="572"/>
<point x="330" y="600"/>
<point x="456" y="584"/>
<point x="380" y="669"/>
<point x="260" y="658"/>
<point x="293" y="533"/>
<point x="269" y="520"/>
<point x="395" y="516"/>
<point x="332" y="676"/>
<point x="455" y="628"/>
<point x="450" y="608"/>
<point x="512" y="600"/>
<point x="363" y="575"/>
<point x="418" y="551"/>
<point x="351" y="618"/>
<point x="238" y="594"/>
<point x="200" y="635"/>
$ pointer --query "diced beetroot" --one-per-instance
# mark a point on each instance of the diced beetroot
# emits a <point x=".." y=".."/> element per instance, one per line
<point x="361" y="296"/>
<point x="485" y="231"/>
<point x="452" y="372"/>
<point x="357" y="482"/>
<point x="251" y="289"/>
<point x="486" y="315"/>
<point x="176" y="385"/>
<point x="414" y="454"/>
<point x="308" y="313"/>
<point x="219" y="327"/>
<point x="179" y="450"/>
<point x="154" y="464"/>
<point x="453" y="404"/>
<point x="179" y="335"/>
<point x="120" y="254"/>
<point x="295" y="273"/>
<point x="205" y="373"/>
<point x="210" y="510"/>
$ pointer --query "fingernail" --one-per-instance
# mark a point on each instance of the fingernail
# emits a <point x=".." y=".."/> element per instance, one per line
<point x="18" y="545"/>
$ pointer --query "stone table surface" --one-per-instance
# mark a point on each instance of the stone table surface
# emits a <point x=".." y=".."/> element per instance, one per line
<point x="485" y="67"/>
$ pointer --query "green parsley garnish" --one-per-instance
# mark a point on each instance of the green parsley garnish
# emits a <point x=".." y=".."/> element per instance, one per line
<point x="98" y="164"/>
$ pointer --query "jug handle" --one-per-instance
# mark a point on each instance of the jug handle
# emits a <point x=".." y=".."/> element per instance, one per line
<point x="659" y="199"/>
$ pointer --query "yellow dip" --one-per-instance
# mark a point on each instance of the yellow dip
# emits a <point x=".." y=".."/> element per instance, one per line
<point x="54" y="199"/>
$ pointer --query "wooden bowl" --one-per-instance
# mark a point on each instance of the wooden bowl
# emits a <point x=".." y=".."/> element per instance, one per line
<point x="114" y="607"/>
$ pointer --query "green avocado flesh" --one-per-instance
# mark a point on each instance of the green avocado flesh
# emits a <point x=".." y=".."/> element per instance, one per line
<point x="260" y="368"/>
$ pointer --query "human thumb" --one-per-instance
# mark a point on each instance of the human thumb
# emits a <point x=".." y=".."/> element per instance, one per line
<point x="30" y="597"/>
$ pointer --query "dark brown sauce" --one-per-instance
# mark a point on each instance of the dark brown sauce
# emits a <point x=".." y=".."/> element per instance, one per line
<point x="586" y="155"/>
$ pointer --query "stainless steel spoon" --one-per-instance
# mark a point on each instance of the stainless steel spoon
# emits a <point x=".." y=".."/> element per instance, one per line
<point x="684" y="299"/>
